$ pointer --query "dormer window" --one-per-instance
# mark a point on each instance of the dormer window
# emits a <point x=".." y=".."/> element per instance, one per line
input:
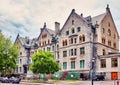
<point x="73" y="30"/>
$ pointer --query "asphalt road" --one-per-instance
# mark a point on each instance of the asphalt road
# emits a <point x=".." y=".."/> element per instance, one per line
<point x="68" y="83"/>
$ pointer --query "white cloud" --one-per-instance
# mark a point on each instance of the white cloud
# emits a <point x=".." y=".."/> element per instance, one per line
<point x="30" y="15"/>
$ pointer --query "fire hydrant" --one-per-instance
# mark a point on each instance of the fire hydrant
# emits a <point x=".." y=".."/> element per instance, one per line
<point x="117" y="82"/>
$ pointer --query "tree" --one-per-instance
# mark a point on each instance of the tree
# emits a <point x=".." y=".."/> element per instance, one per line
<point x="44" y="63"/>
<point x="8" y="54"/>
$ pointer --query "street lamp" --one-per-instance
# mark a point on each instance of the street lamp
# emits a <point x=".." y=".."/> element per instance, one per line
<point x="93" y="61"/>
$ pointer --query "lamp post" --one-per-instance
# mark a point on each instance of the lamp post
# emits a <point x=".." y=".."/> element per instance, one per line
<point x="93" y="51"/>
<point x="93" y="61"/>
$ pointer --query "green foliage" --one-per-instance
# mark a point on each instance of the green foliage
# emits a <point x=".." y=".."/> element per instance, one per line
<point x="43" y="62"/>
<point x="8" y="54"/>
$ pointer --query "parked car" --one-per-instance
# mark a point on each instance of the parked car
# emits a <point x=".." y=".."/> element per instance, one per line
<point x="99" y="77"/>
<point x="1" y="78"/>
<point x="5" y="80"/>
<point x="14" y="80"/>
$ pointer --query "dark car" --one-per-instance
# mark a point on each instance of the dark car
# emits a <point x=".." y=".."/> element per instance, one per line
<point x="14" y="80"/>
<point x="1" y="78"/>
<point x="99" y="77"/>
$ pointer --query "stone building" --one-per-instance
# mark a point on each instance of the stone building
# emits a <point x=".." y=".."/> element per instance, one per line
<point x="82" y="39"/>
<point x="26" y="47"/>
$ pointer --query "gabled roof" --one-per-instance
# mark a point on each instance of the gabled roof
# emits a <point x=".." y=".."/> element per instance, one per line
<point x="73" y="12"/>
<point x="51" y="32"/>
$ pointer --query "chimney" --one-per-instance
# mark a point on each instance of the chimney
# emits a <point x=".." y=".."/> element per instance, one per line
<point x="57" y="27"/>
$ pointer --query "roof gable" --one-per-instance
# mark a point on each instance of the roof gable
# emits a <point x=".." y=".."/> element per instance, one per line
<point x="47" y="30"/>
<point x="72" y="14"/>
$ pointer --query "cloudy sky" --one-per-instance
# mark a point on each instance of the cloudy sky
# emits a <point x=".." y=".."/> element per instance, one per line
<point x="26" y="17"/>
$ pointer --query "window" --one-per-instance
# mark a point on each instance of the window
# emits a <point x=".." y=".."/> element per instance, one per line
<point x="103" y="40"/>
<point x="104" y="52"/>
<point x="71" y="40"/>
<point x="65" y="42"/>
<point x="73" y="30"/>
<point x="44" y="35"/>
<point x="71" y="52"/>
<point x="109" y="43"/>
<point x="65" y="53"/>
<point x="103" y="63"/>
<point x="20" y="61"/>
<point x="78" y="29"/>
<point x="39" y="43"/>
<point x="103" y="30"/>
<point x="52" y="48"/>
<point x="20" y="69"/>
<point x="75" y="40"/>
<point x="72" y="64"/>
<point x="64" y="65"/>
<point x="48" y="48"/>
<point x="72" y="22"/>
<point x="82" y="63"/>
<point x="20" y="53"/>
<point x="114" y="62"/>
<point x="75" y="51"/>
<point x="82" y="50"/>
<point x="57" y="46"/>
<point x="114" y="45"/>
<point x="67" y="32"/>
<point x="58" y="55"/>
<point x="109" y="32"/>
<point x="82" y="38"/>
<point x="44" y="49"/>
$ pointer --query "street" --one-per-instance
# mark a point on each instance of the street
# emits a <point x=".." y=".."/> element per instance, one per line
<point x="68" y="83"/>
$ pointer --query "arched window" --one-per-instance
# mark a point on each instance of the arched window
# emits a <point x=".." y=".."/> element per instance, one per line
<point x="109" y="32"/>
<point x="65" y="42"/>
<point x="71" y="40"/>
<point x="104" y="52"/>
<point x="83" y="38"/>
<point x="80" y="38"/>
